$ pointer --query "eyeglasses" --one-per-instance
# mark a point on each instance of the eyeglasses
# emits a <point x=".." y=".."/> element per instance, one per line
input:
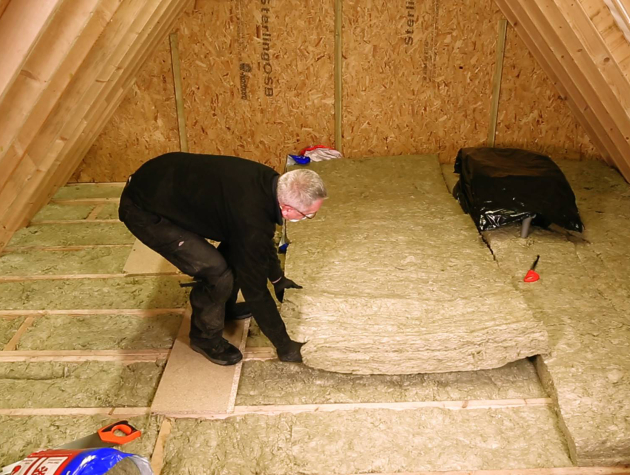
<point x="307" y="216"/>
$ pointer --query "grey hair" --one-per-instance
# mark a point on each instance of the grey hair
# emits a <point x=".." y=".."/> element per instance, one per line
<point x="301" y="188"/>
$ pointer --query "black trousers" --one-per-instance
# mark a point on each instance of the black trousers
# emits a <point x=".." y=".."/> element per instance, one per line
<point x="194" y="256"/>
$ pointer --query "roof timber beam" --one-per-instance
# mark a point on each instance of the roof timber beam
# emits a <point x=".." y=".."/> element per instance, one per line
<point x="21" y="26"/>
<point x="560" y="78"/>
<point x="16" y="164"/>
<point x="114" y="56"/>
<point x="610" y="28"/>
<point x="98" y="118"/>
<point x="82" y="138"/>
<point x="571" y="50"/>
<point x="3" y="6"/>
<point x="41" y="66"/>
<point x="595" y="70"/>
<point x="44" y="137"/>
<point x="620" y="9"/>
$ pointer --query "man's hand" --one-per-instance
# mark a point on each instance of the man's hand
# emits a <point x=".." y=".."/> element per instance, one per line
<point x="290" y="353"/>
<point x="281" y="285"/>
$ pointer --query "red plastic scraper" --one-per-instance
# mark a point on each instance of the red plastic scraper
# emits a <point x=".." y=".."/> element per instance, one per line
<point x="532" y="275"/>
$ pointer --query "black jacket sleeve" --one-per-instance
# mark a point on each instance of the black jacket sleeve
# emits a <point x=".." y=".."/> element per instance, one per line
<point x="251" y="258"/>
<point x="275" y="268"/>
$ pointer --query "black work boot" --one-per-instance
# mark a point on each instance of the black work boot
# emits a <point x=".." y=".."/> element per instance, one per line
<point x="237" y="311"/>
<point x="221" y="352"/>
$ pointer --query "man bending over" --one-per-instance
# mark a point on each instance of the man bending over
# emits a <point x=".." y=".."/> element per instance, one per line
<point x="174" y="202"/>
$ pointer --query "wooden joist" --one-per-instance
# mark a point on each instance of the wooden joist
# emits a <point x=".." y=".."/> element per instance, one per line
<point x="74" y="356"/>
<point x="528" y="471"/>
<point x="272" y="410"/>
<point x="138" y="312"/>
<point x="75" y="221"/>
<point x="157" y="459"/>
<point x="23" y="278"/>
<point x="84" y="201"/>
<point x="61" y="248"/>
<point x="120" y="412"/>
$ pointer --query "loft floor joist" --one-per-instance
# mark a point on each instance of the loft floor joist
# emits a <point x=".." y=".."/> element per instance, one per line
<point x="512" y="393"/>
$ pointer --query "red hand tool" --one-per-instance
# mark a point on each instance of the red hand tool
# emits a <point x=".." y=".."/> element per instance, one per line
<point x="532" y="275"/>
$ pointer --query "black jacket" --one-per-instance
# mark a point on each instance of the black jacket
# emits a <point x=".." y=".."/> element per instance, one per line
<point x="227" y="199"/>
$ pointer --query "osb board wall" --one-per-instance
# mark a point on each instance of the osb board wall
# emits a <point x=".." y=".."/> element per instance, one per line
<point x="532" y="113"/>
<point x="258" y="77"/>
<point x="417" y="75"/>
<point x="143" y="126"/>
<point x="258" y="80"/>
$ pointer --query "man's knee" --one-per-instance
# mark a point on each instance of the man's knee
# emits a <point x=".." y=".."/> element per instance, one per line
<point x="219" y="288"/>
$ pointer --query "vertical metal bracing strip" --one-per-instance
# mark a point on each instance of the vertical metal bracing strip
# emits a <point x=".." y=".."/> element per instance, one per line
<point x="338" y="71"/>
<point x="496" y="88"/>
<point x="179" y="97"/>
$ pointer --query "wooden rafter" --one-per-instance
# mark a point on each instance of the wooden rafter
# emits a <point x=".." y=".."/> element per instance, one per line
<point x="568" y="46"/>
<point x="72" y="69"/>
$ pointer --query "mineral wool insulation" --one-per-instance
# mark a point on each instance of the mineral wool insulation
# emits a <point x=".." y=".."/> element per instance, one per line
<point x="583" y="298"/>
<point x="367" y="441"/>
<point x="397" y="280"/>
<point x="85" y="384"/>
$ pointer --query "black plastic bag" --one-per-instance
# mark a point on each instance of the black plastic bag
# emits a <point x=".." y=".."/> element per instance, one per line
<point x="498" y="186"/>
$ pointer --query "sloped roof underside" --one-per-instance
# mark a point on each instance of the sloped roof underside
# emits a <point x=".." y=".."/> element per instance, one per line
<point x="67" y="66"/>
